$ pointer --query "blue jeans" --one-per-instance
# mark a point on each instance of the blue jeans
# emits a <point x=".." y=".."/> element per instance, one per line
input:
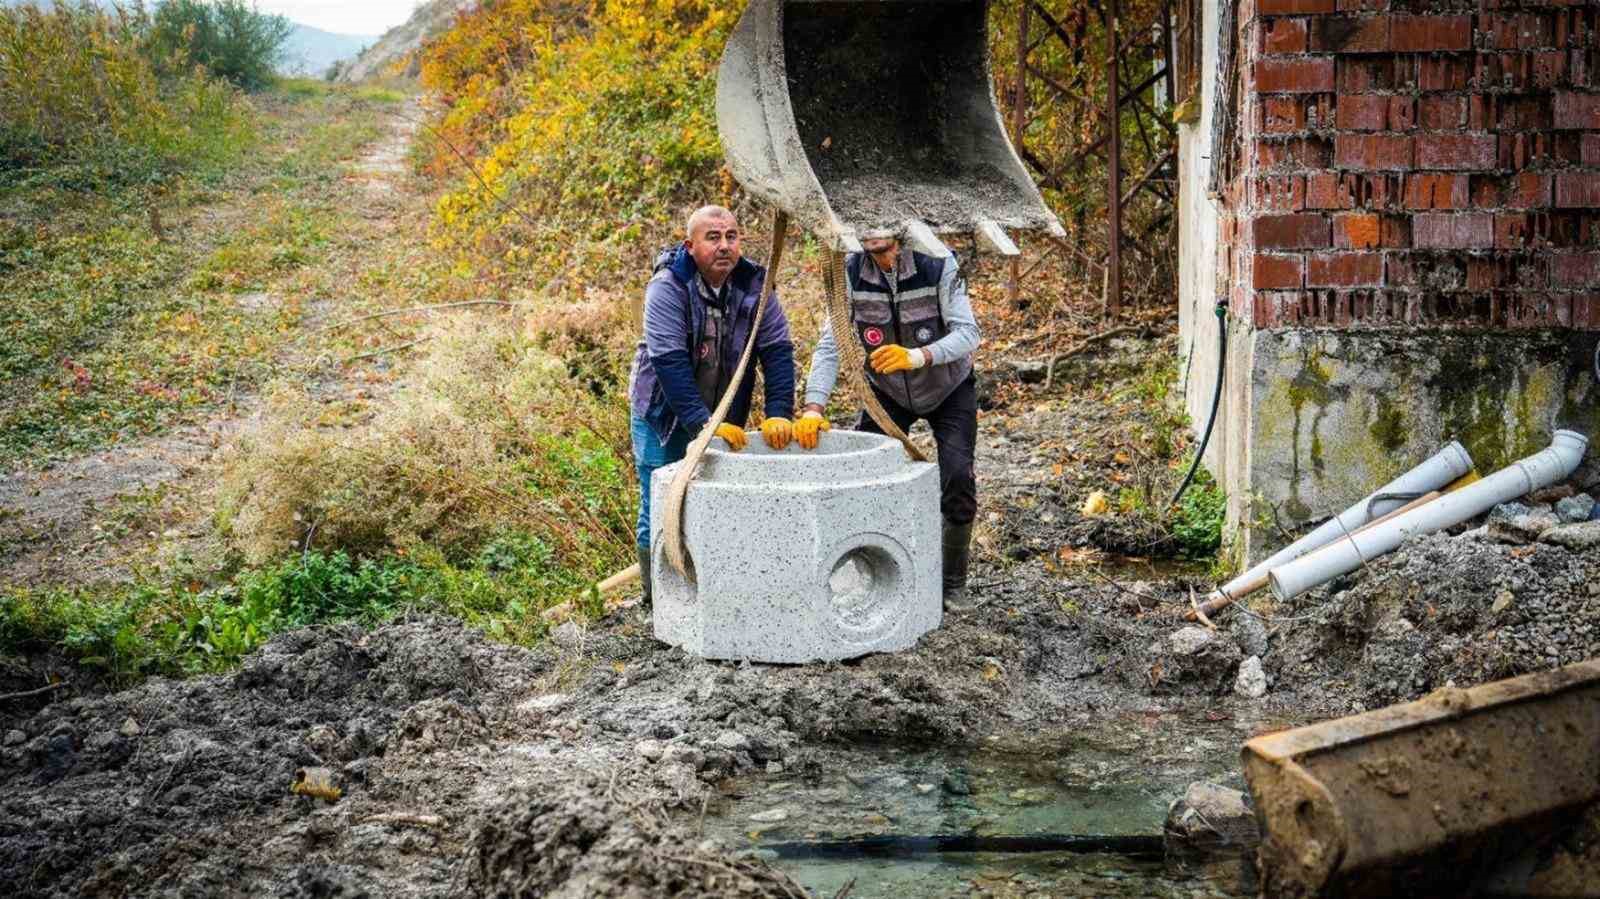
<point x="649" y="455"/>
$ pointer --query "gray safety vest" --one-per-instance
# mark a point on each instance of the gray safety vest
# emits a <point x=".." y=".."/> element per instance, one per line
<point x="904" y="310"/>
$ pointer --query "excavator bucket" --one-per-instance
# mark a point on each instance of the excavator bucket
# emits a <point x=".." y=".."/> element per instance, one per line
<point x="1441" y="796"/>
<point x="862" y="114"/>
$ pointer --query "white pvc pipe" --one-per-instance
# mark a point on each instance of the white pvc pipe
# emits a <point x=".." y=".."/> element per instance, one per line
<point x="1554" y="463"/>
<point x="1441" y="468"/>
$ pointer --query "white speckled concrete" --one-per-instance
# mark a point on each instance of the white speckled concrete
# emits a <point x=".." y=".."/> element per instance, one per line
<point x="765" y="531"/>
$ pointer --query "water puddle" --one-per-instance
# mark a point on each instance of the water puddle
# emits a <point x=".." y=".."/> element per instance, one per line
<point x="994" y="821"/>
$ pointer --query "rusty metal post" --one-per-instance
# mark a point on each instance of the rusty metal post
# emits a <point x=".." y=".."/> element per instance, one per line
<point x="1019" y="124"/>
<point x="1113" y="302"/>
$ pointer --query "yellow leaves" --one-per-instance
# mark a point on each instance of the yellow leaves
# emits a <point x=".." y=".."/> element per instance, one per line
<point x="1096" y="504"/>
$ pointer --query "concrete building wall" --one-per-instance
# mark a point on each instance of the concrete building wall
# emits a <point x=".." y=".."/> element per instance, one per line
<point x="1409" y="239"/>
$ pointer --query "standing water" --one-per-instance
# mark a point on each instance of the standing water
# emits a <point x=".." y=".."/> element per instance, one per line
<point x="995" y="820"/>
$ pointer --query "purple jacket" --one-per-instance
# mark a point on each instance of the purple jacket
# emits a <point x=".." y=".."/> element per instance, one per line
<point x="662" y="386"/>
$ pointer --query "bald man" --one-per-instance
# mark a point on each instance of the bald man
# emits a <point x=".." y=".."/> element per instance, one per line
<point x="698" y="308"/>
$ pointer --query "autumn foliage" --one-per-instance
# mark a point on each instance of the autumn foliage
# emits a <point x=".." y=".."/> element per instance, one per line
<point x="583" y="122"/>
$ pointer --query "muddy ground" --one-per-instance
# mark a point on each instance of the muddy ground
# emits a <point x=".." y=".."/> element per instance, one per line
<point x="597" y="764"/>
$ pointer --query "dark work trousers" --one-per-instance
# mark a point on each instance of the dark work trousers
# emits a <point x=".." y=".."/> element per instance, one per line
<point x="955" y="432"/>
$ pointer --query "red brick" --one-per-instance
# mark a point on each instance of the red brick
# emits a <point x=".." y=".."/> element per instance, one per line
<point x="1372" y="151"/>
<point x="1444" y="73"/>
<point x="1396" y="231"/>
<point x="1457" y="151"/>
<point x="1344" y="270"/>
<point x="1575" y="270"/>
<point x="1549" y="69"/>
<point x="1360" y="74"/>
<point x="1591" y="150"/>
<point x="1329" y="190"/>
<point x="1528" y="190"/>
<point x="1429" y="191"/>
<point x="1290" y="232"/>
<point x="1415" y="34"/>
<point x="1511" y="230"/>
<point x="1282" y="114"/>
<point x="1356" y="231"/>
<point x="1278" y="272"/>
<point x="1361" y="112"/>
<point x="1282" y="193"/>
<point x="1290" y="7"/>
<point x="1363" y="5"/>
<point x="1402" y="114"/>
<point x="1580" y="189"/>
<point x="1294" y="76"/>
<point x="1436" y="271"/>
<point x="1284" y="36"/>
<point x="1577" y="111"/>
<point x="1426" y="191"/>
<point x="1350" y="34"/>
<point x="1586" y="311"/>
<point x="1452" y="231"/>
<point x="1436" y="113"/>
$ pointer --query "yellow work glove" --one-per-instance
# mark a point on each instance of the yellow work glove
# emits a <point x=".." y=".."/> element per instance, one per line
<point x="777" y="432"/>
<point x="886" y="360"/>
<point x="733" y="434"/>
<point x="808" y="428"/>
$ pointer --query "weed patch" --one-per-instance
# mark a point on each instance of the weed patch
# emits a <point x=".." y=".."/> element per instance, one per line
<point x="129" y="632"/>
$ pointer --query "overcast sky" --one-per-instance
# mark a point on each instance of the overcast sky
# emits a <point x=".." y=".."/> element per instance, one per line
<point x="346" y="17"/>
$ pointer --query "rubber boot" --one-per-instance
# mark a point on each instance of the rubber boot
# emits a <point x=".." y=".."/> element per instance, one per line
<point x="957" y="545"/>
<point x="644" y="577"/>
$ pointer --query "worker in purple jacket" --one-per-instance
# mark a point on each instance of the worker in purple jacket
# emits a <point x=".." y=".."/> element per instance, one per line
<point x="698" y="308"/>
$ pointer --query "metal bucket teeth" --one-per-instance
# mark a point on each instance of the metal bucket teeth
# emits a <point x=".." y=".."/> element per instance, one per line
<point x="872" y="113"/>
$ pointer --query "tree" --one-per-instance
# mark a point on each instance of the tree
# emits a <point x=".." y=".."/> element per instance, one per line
<point x="229" y="38"/>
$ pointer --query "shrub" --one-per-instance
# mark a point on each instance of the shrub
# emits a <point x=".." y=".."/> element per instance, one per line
<point x="79" y="95"/>
<point x="493" y="435"/>
<point x="575" y="120"/>
<point x="1197" y="523"/>
<point x="229" y="38"/>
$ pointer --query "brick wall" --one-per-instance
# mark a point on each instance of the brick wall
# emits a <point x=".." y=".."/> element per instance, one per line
<point x="1417" y="162"/>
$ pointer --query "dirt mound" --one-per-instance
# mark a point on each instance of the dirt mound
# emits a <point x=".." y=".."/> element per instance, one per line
<point x="139" y="786"/>
<point x="1441" y="610"/>
<point x="576" y="844"/>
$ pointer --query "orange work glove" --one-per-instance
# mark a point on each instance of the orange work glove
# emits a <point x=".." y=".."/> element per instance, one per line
<point x="777" y="432"/>
<point x="809" y="428"/>
<point x="733" y="434"/>
<point x="886" y="360"/>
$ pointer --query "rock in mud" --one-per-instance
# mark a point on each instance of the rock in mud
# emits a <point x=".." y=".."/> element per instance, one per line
<point x="1191" y="658"/>
<point x="1574" y="509"/>
<point x="1252" y="681"/>
<point x="572" y="843"/>
<point x="1516" y="523"/>
<point x="1209" y="819"/>
<point x="1581" y="537"/>
<point x="1029" y="372"/>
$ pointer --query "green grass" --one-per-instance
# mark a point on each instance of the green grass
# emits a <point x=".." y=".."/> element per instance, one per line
<point x="109" y="331"/>
<point x="130" y="631"/>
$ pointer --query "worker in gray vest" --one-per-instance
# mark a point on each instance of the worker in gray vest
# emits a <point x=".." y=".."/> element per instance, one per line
<point x="912" y="315"/>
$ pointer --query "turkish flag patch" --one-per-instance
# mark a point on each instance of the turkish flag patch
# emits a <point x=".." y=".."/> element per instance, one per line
<point x="873" y="336"/>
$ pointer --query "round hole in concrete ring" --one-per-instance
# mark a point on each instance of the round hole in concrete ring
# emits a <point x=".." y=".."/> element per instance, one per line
<point x="864" y="589"/>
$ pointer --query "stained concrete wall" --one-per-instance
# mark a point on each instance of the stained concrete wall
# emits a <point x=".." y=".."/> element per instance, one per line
<point x="1338" y="413"/>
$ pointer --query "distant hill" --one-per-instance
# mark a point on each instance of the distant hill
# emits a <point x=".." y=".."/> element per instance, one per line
<point x="311" y="51"/>
<point x="399" y="43"/>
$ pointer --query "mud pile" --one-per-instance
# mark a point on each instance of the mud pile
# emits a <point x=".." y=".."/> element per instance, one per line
<point x="1440" y="610"/>
<point x="144" y="786"/>
<point x="576" y="844"/>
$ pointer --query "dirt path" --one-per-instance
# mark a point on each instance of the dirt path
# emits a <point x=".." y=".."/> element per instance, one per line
<point x="97" y="517"/>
